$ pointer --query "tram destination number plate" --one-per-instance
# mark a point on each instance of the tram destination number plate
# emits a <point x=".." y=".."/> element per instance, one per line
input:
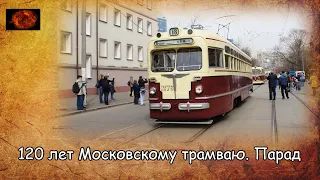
<point x="166" y="87"/>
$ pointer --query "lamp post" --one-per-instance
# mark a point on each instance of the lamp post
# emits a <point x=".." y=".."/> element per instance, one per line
<point x="83" y="47"/>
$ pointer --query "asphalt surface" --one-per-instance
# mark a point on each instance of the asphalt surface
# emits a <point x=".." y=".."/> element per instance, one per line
<point x="125" y="124"/>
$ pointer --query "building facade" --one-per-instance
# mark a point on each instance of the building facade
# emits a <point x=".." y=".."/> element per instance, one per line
<point x="117" y="36"/>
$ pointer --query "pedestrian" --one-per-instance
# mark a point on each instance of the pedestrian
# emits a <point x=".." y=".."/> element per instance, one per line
<point x="130" y="84"/>
<point x="106" y="88"/>
<point x="136" y="90"/>
<point x="278" y="83"/>
<point x="302" y="79"/>
<point x="272" y="78"/>
<point x="290" y="82"/>
<point x="314" y="83"/>
<point x="284" y="84"/>
<point x="142" y="82"/>
<point x="99" y="86"/>
<point x="298" y="86"/>
<point x="112" y="89"/>
<point x="79" y="89"/>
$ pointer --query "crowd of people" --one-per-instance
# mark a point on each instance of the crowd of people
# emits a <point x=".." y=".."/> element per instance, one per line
<point x="288" y="82"/>
<point x="106" y="87"/>
<point x="138" y="89"/>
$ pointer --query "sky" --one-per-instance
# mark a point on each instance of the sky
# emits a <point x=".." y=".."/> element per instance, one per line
<point x="259" y="29"/>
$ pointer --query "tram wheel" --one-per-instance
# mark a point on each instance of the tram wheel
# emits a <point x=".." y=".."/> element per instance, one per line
<point x="236" y="102"/>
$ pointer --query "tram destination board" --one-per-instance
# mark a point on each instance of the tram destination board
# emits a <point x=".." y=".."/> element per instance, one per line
<point x="173" y="42"/>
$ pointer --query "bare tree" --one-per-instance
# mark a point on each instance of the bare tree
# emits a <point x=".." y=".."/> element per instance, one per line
<point x="292" y="49"/>
<point x="246" y="50"/>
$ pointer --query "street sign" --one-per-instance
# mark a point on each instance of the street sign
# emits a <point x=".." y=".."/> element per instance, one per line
<point x="162" y="23"/>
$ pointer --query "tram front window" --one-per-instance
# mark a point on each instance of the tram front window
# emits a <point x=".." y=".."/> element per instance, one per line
<point x="256" y="71"/>
<point x="163" y="61"/>
<point x="189" y="59"/>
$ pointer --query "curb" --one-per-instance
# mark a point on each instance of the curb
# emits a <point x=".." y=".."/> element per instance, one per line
<point x="93" y="109"/>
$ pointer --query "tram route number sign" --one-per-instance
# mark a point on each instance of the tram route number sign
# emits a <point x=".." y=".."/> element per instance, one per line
<point x="166" y="88"/>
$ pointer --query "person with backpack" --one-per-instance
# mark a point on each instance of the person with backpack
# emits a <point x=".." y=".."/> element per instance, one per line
<point x="106" y="88"/>
<point x="136" y="90"/>
<point x="79" y="89"/>
<point x="141" y="83"/>
<point x="273" y="80"/>
<point x="283" y="80"/>
<point x="130" y="84"/>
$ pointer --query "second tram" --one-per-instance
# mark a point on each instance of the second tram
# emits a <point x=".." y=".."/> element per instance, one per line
<point x="195" y="75"/>
<point x="258" y="75"/>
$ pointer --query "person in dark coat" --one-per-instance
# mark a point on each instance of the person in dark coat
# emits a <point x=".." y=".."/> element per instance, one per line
<point x="112" y="89"/>
<point x="272" y="78"/>
<point x="283" y="80"/>
<point x="142" y="82"/>
<point x="106" y="88"/>
<point x="136" y="90"/>
<point x="99" y="86"/>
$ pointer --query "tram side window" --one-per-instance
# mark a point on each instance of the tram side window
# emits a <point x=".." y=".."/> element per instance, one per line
<point x="163" y="61"/>
<point x="215" y="58"/>
<point x="232" y="63"/>
<point x="226" y="59"/>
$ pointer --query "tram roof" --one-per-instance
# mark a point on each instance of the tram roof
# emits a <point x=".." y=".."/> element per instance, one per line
<point x="200" y="33"/>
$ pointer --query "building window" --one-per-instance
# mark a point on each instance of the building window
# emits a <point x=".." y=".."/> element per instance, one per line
<point x="66" y="42"/>
<point x="149" y="27"/>
<point x="66" y="5"/>
<point x="88" y="24"/>
<point x="117" y="50"/>
<point x="140" y="25"/>
<point x="129" y="21"/>
<point x="103" y="48"/>
<point x="88" y="66"/>
<point x="140" y="2"/>
<point x="149" y="4"/>
<point x="129" y="51"/>
<point x="117" y="17"/>
<point x="103" y="16"/>
<point x="215" y="58"/>
<point x="140" y="53"/>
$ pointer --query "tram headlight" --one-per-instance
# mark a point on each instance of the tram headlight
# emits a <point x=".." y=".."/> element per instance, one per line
<point x="153" y="90"/>
<point x="199" y="89"/>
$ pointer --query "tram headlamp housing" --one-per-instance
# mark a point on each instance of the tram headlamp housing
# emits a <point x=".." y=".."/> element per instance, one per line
<point x="199" y="89"/>
<point x="153" y="90"/>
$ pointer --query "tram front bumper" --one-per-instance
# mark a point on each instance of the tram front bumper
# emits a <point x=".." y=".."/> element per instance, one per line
<point x="182" y="106"/>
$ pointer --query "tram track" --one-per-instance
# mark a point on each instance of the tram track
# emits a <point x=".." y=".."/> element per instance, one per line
<point x="190" y="140"/>
<point x="198" y="134"/>
<point x="274" y="126"/>
<point x="143" y="134"/>
<point x="203" y="130"/>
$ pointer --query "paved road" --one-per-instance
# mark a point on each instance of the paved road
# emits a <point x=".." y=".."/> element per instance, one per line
<point x="252" y="119"/>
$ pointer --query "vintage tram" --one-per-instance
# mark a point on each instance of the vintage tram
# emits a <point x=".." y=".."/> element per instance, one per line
<point x="195" y="75"/>
<point x="258" y="75"/>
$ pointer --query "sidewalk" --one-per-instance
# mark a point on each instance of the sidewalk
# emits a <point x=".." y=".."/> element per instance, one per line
<point x="68" y="106"/>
